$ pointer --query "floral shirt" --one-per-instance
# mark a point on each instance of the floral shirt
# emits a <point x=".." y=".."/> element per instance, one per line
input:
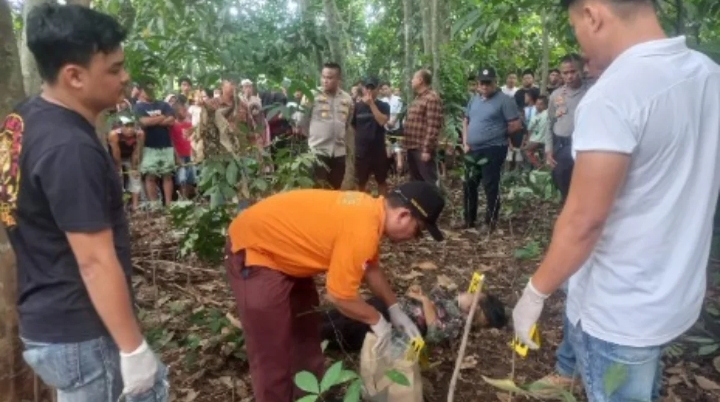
<point x="450" y="320"/>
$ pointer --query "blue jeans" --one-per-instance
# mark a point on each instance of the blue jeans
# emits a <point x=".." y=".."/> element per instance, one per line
<point x="87" y="371"/>
<point x="629" y="373"/>
<point x="565" y="355"/>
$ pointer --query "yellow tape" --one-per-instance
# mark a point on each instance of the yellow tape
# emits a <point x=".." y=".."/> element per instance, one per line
<point x="522" y="349"/>
<point x="417" y="344"/>
<point x="476" y="283"/>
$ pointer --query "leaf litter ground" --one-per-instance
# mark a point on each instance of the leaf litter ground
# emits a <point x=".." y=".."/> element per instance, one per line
<point x="189" y="316"/>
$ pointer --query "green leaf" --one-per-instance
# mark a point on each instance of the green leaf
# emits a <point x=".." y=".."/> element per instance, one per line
<point x="347" y="375"/>
<point x="708" y="349"/>
<point x="231" y="173"/>
<point x="397" y="377"/>
<point x="307" y="382"/>
<point x="309" y="398"/>
<point x="613" y="378"/>
<point x="353" y="392"/>
<point x="699" y="339"/>
<point x="331" y="376"/>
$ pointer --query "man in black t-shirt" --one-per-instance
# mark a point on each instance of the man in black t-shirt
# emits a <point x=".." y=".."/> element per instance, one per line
<point x="369" y="121"/>
<point x="62" y="204"/>
<point x="158" y="154"/>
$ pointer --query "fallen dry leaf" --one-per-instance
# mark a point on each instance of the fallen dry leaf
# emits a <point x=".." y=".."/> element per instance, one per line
<point x="674" y="380"/>
<point x="410" y="276"/>
<point x="706" y="384"/>
<point x="446" y="282"/>
<point x="234" y="321"/>
<point x="469" y="362"/>
<point x="425" y="265"/>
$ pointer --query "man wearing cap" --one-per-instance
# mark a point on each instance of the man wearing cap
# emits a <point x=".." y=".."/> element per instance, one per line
<point x="369" y="121"/>
<point x="491" y="116"/>
<point x="278" y="245"/>
<point x="126" y="143"/>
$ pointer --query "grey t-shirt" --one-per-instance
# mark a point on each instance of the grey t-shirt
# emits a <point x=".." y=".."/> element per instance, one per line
<point x="488" y="120"/>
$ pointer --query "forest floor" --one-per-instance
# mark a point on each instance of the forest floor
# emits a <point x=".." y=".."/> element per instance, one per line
<point x="189" y="316"/>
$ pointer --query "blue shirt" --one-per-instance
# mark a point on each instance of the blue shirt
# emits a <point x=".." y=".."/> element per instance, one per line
<point x="488" y="119"/>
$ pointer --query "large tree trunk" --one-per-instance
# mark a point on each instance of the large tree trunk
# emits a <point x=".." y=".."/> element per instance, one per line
<point x="545" y="52"/>
<point x="334" y="36"/>
<point x="407" y="24"/>
<point x="349" y="182"/>
<point x="434" y="46"/>
<point x="16" y="380"/>
<point x="426" y="26"/>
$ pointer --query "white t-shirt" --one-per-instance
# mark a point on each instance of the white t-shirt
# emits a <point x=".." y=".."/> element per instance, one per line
<point x="395" y="108"/>
<point x="508" y="91"/>
<point x="194" y="111"/>
<point x="644" y="283"/>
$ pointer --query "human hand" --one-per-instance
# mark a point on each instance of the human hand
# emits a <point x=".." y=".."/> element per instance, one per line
<point x="425" y="157"/>
<point x="138" y="369"/>
<point x="549" y="160"/>
<point x="416" y="293"/>
<point x="402" y="322"/>
<point x="527" y="312"/>
<point x="466" y="148"/>
<point x="367" y="97"/>
<point x="383" y="331"/>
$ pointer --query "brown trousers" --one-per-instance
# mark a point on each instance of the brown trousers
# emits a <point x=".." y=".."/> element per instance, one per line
<point x="281" y="337"/>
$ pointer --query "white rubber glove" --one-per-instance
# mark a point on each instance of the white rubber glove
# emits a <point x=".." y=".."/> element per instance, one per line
<point x="138" y="370"/>
<point x="383" y="332"/>
<point x="402" y="322"/>
<point x="527" y="312"/>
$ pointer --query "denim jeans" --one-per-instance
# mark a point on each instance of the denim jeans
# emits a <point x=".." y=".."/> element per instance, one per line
<point x="565" y="355"/>
<point x="87" y="371"/>
<point x="637" y="369"/>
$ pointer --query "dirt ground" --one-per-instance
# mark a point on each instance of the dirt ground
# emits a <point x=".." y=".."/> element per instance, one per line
<point x="188" y="312"/>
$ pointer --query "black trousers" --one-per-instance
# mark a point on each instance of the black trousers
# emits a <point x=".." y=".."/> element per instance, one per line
<point x="562" y="172"/>
<point x="344" y="333"/>
<point x="419" y="170"/>
<point x="486" y="170"/>
<point x="330" y="172"/>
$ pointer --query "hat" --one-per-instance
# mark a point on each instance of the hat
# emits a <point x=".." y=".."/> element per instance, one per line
<point x="370" y="82"/>
<point x="246" y="82"/>
<point x="487" y="74"/>
<point x="124" y="120"/>
<point x="425" y="202"/>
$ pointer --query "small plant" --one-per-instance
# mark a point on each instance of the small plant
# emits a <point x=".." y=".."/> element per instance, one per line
<point x="202" y="230"/>
<point x="530" y="251"/>
<point x="337" y="376"/>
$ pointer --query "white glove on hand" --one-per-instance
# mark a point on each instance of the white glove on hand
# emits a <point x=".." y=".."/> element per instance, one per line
<point x="383" y="332"/>
<point x="527" y="312"/>
<point x="138" y="370"/>
<point x="402" y="322"/>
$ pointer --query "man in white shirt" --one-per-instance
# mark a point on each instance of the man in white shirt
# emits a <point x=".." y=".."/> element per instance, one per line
<point x="393" y="125"/>
<point x="634" y="235"/>
<point x="510" y="86"/>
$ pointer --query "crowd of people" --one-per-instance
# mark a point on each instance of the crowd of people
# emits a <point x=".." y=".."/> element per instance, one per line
<point x="634" y="154"/>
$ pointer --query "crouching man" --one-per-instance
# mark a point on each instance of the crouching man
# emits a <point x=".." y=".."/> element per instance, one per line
<point x="278" y="245"/>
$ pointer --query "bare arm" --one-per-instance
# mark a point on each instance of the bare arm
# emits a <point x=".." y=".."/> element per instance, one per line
<point x="107" y="286"/>
<point x="357" y="309"/>
<point x="379" y="285"/>
<point x="138" y="150"/>
<point x="514" y="126"/>
<point x="380" y="118"/>
<point x="114" y="142"/>
<point x="464" y="131"/>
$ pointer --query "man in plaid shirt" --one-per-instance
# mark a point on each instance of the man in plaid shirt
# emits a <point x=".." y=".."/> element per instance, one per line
<point x="422" y="127"/>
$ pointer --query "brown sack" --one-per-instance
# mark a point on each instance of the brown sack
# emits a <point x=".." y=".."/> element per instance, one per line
<point x="378" y="386"/>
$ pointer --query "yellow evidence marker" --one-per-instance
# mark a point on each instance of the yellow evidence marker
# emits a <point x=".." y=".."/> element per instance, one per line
<point x="522" y="349"/>
<point x="476" y="283"/>
<point x="417" y="344"/>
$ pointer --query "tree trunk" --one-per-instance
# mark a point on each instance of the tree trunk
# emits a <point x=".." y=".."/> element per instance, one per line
<point x="16" y="380"/>
<point x="85" y="3"/>
<point x="426" y="27"/>
<point x="545" y="52"/>
<point x="333" y="31"/>
<point x="31" y="77"/>
<point x="434" y="46"/>
<point x="679" y="17"/>
<point x="407" y="24"/>
<point x="349" y="182"/>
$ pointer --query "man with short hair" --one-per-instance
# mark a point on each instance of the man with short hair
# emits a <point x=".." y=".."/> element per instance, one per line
<point x="158" y="157"/>
<point x="278" y="245"/>
<point x="554" y="81"/>
<point x="65" y="217"/>
<point x="396" y="105"/>
<point x="561" y="116"/>
<point x="490" y="118"/>
<point x="423" y="123"/>
<point x="528" y="84"/>
<point x="633" y="237"/>
<point x="510" y="87"/>
<point x="186" y="89"/>
<point x="126" y="144"/>
<point x="327" y="120"/>
<point x="369" y="119"/>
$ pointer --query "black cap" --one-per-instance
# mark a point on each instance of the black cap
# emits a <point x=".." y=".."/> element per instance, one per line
<point x="370" y="82"/>
<point x="487" y="74"/>
<point x="425" y="202"/>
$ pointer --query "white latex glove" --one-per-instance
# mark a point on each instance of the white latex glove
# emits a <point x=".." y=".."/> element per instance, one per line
<point x="527" y="312"/>
<point x="402" y="322"/>
<point x="138" y="369"/>
<point x="383" y="332"/>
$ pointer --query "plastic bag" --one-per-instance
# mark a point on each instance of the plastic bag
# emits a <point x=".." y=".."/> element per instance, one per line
<point x="378" y="386"/>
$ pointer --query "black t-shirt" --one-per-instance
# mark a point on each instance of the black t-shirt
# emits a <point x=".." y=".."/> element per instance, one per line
<point x="68" y="183"/>
<point x="155" y="136"/>
<point x="368" y="133"/>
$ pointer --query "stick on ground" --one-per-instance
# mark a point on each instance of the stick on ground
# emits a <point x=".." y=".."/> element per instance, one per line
<point x="463" y="346"/>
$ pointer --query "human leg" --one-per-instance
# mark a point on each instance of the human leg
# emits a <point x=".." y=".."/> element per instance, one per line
<point x="491" y="172"/>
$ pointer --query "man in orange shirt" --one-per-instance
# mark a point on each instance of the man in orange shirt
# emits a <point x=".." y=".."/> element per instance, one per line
<point x="276" y="247"/>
